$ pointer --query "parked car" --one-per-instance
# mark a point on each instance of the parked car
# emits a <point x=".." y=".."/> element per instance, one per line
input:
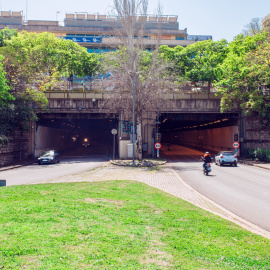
<point x="50" y="156"/>
<point x="226" y="157"/>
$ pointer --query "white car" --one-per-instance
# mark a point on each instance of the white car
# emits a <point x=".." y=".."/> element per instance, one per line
<point x="226" y="157"/>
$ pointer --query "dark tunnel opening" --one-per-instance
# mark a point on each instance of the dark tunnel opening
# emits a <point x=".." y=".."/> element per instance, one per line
<point x="77" y="137"/>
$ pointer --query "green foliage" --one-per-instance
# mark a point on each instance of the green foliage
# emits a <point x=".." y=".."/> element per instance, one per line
<point x="7" y="34"/>
<point x="4" y="88"/>
<point x="16" y="114"/>
<point x="34" y="63"/>
<point x="257" y="154"/>
<point x="245" y="74"/>
<point x="118" y="225"/>
<point x="199" y="62"/>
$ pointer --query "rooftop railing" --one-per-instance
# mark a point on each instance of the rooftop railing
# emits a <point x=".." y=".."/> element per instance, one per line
<point x="139" y="18"/>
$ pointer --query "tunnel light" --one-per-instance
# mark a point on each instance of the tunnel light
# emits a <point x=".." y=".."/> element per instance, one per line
<point x="85" y="140"/>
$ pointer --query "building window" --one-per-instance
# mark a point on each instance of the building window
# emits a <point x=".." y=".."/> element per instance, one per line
<point x="90" y="50"/>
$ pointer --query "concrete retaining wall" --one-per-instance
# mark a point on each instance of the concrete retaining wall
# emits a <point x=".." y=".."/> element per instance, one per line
<point x="16" y="149"/>
<point x="257" y="135"/>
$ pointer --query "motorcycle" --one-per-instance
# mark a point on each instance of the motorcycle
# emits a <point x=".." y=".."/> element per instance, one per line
<point x="207" y="169"/>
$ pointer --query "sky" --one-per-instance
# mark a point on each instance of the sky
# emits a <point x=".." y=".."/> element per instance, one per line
<point x="218" y="18"/>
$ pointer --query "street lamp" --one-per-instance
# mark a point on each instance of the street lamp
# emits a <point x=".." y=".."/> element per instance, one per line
<point x="133" y="112"/>
<point x="133" y="116"/>
<point x="57" y="12"/>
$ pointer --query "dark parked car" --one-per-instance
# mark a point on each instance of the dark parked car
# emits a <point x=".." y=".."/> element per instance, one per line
<point x="50" y="156"/>
<point x="226" y="157"/>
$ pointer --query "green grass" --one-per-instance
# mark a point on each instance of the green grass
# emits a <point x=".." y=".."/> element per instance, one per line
<point x="118" y="225"/>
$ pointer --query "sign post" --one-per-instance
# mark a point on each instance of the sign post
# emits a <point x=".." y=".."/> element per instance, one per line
<point x="114" y="132"/>
<point x="157" y="147"/>
<point x="236" y="146"/>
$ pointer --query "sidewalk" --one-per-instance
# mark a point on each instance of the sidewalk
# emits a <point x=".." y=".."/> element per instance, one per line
<point x="18" y="165"/>
<point x="256" y="164"/>
<point x="165" y="179"/>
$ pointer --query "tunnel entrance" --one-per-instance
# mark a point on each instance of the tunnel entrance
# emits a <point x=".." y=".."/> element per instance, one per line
<point x="76" y="136"/>
<point x="211" y="131"/>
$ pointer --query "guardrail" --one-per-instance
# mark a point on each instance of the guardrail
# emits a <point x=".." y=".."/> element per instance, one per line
<point x="103" y="87"/>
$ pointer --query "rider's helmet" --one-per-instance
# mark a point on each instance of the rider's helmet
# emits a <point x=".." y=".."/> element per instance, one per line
<point x="207" y="153"/>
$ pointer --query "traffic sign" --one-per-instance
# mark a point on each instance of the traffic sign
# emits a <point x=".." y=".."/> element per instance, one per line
<point x="114" y="131"/>
<point x="157" y="145"/>
<point x="236" y="144"/>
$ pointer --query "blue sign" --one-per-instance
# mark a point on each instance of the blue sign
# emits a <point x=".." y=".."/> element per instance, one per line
<point x="84" y="39"/>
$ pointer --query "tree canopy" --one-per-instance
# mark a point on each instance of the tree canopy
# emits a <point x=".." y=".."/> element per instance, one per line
<point x="245" y="75"/>
<point x="32" y="64"/>
<point x="199" y="62"/>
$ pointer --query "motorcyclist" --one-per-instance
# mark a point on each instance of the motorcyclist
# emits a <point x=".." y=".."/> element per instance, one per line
<point x="207" y="158"/>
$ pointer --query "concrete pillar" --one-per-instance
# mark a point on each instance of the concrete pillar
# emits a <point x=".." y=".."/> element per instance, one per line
<point x="32" y="139"/>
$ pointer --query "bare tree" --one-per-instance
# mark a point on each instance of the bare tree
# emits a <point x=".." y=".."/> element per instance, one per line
<point x="141" y="78"/>
<point x="253" y="28"/>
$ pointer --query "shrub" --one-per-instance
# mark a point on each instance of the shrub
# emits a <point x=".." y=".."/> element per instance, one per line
<point x="257" y="154"/>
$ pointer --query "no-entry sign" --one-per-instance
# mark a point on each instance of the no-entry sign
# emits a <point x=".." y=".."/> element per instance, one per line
<point x="236" y="144"/>
<point x="158" y="145"/>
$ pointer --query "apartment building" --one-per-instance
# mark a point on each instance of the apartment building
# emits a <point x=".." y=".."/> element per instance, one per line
<point x="97" y="32"/>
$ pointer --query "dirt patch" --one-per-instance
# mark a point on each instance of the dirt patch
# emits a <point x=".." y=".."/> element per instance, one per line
<point x="95" y="200"/>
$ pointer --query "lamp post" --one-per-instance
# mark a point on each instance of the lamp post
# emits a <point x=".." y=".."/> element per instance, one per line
<point x="57" y="12"/>
<point x="133" y="116"/>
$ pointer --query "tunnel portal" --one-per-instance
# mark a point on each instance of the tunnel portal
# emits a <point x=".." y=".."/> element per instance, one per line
<point x="76" y="136"/>
<point x="208" y="131"/>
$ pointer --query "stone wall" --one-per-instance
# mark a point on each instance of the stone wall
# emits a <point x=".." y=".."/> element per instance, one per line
<point x="16" y="149"/>
<point x="257" y="135"/>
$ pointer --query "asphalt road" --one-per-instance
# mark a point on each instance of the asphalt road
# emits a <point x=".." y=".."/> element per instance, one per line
<point x="34" y="173"/>
<point x="243" y="190"/>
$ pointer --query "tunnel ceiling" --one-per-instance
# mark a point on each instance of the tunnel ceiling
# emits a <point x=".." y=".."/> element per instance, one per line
<point x="193" y="121"/>
<point x="76" y="124"/>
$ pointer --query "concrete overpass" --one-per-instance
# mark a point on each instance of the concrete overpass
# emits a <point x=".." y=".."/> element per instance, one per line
<point x="192" y="119"/>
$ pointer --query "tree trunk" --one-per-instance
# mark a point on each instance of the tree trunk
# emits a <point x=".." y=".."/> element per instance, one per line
<point x="209" y="87"/>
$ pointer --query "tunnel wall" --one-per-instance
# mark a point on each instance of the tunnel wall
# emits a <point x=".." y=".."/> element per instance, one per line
<point x="213" y="139"/>
<point x="48" y="138"/>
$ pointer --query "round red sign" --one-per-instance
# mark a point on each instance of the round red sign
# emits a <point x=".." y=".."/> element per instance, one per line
<point x="157" y="145"/>
<point x="236" y="144"/>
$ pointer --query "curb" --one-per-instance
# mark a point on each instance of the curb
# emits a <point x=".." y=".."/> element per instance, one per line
<point x="265" y="166"/>
<point x="17" y="166"/>
<point x="222" y="212"/>
<point x="136" y="166"/>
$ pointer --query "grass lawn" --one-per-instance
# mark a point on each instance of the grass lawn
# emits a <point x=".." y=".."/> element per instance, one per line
<point x="118" y="225"/>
